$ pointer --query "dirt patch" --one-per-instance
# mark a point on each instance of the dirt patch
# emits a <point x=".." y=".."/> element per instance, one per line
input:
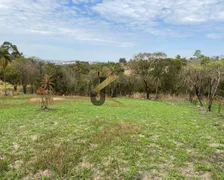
<point x="58" y="99"/>
<point x="34" y="137"/>
<point x="15" y="146"/>
<point x="189" y="171"/>
<point x="55" y="99"/>
<point x="216" y="145"/>
<point x="33" y="100"/>
<point x="155" y="137"/>
<point x="84" y="163"/>
<point x="93" y="145"/>
<point x="17" y="164"/>
<point x="178" y="144"/>
<point x="39" y="175"/>
<point x="149" y="176"/>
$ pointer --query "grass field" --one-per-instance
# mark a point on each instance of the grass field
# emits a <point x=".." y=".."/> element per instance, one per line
<point x="133" y="139"/>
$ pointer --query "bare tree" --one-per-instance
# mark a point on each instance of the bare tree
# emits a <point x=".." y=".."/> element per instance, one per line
<point x="194" y="78"/>
<point x="214" y="71"/>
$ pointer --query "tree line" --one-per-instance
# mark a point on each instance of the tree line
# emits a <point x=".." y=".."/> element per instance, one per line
<point x="149" y="73"/>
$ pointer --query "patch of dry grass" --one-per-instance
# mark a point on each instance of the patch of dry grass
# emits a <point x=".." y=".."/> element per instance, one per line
<point x="120" y="129"/>
<point x="59" y="158"/>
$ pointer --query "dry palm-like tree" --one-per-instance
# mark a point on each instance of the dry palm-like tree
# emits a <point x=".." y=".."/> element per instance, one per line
<point x="47" y="83"/>
<point x="45" y="91"/>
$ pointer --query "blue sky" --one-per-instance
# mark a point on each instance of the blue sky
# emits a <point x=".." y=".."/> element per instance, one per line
<point x="105" y="30"/>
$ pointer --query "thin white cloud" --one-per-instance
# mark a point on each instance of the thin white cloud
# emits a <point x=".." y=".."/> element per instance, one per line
<point x="84" y="1"/>
<point x="215" y="36"/>
<point x="126" y="44"/>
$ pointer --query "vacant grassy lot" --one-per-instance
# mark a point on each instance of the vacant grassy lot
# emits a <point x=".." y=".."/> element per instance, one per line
<point x="134" y="139"/>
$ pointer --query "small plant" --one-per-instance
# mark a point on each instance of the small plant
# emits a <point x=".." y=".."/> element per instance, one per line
<point x="45" y="99"/>
<point x="45" y="92"/>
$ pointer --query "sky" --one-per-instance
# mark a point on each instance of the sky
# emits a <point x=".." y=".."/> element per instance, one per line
<point x="106" y="30"/>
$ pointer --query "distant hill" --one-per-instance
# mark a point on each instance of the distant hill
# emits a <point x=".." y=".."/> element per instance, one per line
<point x="60" y="62"/>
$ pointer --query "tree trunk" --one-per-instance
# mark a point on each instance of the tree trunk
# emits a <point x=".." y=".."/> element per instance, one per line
<point x="210" y="99"/>
<point x="4" y="82"/>
<point x="24" y="88"/>
<point x="129" y="94"/>
<point x="32" y="89"/>
<point x="15" y="87"/>
<point x="147" y="94"/>
<point x="112" y="90"/>
<point x="198" y="95"/>
<point x="190" y="97"/>
<point x="157" y="97"/>
<point x="147" y="90"/>
<point x="120" y="93"/>
<point x="210" y="104"/>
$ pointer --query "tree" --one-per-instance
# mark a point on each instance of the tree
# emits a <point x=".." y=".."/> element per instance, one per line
<point x="159" y="55"/>
<point x="159" y="69"/>
<point x="130" y="84"/>
<point x="12" y="49"/>
<point x="151" y="69"/>
<point x="5" y="59"/>
<point x="172" y="80"/>
<point x="113" y="70"/>
<point x="8" y="52"/>
<point x="12" y="75"/>
<point x="28" y="71"/>
<point x="123" y="60"/>
<point x="47" y="83"/>
<point x="70" y="79"/>
<point x="214" y="71"/>
<point x="81" y="70"/>
<point x="142" y="68"/>
<point x="198" y="54"/>
<point x="194" y="78"/>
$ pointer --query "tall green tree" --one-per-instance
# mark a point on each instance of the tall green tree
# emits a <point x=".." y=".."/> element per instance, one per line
<point x="28" y="71"/>
<point x="8" y="52"/>
<point x="142" y="68"/>
<point x="123" y="60"/>
<point x="12" y="75"/>
<point x="5" y="59"/>
<point x="198" y="54"/>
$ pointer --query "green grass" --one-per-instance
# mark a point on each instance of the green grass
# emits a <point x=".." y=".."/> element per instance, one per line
<point x="136" y="139"/>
